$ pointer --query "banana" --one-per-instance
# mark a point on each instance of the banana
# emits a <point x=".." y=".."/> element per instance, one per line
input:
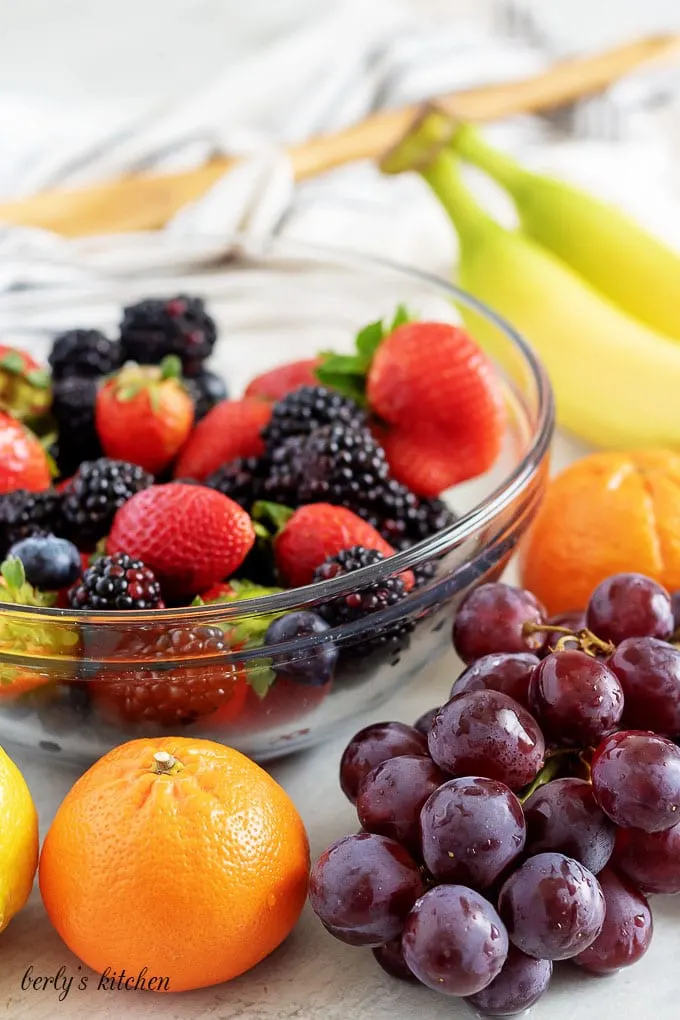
<point x="623" y="261"/>
<point x="616" y="381"/>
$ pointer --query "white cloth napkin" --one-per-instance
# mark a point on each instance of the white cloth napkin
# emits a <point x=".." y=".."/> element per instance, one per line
<point x="356" y="58"/>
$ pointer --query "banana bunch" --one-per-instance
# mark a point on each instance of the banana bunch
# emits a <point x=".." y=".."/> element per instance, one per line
<point x="597" y="297"/>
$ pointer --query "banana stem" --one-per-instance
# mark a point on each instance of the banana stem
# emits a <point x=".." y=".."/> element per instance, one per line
<point x="468" y="143"/>
<point x="468" y="217"/>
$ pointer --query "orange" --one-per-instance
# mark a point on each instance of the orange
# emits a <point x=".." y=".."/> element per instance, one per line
<point x="606" y="513"/>
<point x="176" y="859"/>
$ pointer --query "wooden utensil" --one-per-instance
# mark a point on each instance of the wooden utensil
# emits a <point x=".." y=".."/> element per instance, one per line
<point x="147" y="202"/>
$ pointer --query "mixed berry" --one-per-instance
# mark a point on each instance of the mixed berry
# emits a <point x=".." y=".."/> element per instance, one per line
<point x="525" y="821"/>
<point x="130" y="482"/>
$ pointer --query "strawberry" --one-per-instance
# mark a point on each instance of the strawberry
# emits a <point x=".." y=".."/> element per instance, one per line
<point x="317" y="531"/>
<point x="23" y="461"/>
<point x="435" y="395"/>
<point x="441" y="399"/>
<point x="24" y="384"/>
<point x="232" y="429"/>
<point x="148" y="695"/>
<point x="143" y="414"/>
<point x="285" y="702"/>
<point x="284" y="379"/>
<point x="188" y="535"/>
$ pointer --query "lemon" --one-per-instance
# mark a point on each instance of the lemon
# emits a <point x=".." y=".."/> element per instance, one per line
<point x="18" y="840"/>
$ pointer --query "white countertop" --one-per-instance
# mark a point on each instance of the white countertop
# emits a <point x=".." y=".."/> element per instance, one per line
<point x="313" y="976"/>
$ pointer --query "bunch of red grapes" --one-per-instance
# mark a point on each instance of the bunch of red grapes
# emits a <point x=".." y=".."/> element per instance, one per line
<point x="524" y="821"/>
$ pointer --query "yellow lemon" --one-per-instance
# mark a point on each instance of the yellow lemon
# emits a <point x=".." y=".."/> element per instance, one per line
<point x="18" y="840"/>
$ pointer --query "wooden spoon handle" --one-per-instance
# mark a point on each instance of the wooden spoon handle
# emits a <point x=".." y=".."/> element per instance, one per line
<point x="147" y="202"/>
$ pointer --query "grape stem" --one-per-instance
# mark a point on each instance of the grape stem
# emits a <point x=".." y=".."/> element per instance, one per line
<point x="585" y="640"/>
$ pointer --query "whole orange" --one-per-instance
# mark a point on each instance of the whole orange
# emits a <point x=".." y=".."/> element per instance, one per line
<point x="174" y="858"/>
<point x="606" y="513"/>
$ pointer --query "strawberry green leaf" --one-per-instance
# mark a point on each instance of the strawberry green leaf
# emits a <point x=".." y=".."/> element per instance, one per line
<point x="171" y="367"/>
<point x="260" y="676"/>
<point x="401" y="317"/>
<point x="368" y="340"/>
<point x="345" y="374"/>
<point x="273" y="513"/>
<point x="12" y="362"/>
<point x="40" y="378"/>
<point x="245" y="589"/>
<point x="13" y="572"/>
<point x="129" y="391"/>
<point x="260" y="531"/>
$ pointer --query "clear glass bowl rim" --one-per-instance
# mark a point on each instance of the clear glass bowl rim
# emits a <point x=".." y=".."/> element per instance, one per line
<point x="479" y="517"/>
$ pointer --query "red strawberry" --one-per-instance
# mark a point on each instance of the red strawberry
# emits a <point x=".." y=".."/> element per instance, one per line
<point x="316" y="532"/>
<point x="143" y="414"/>
<point x="440" y="398"/>
<point x="24" y="384"/>
<point x="232" y="429"/>
<point x="23" y="462"/>
<point x="220" y="592"/>
<point x="285" y="702"/>
<point x="283" y="379"/>
<point x="173" y="698"/>
<point x="188" y="535"/>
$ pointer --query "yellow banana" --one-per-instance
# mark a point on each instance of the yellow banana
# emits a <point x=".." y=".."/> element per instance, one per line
<point x="616" y="381"/>
<point x="623" y="261"/>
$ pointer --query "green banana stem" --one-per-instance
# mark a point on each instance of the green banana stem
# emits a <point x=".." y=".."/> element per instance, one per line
<point x="469" y="219"/>
<point x="468" y="143"/>
<point x="428" y="149"/>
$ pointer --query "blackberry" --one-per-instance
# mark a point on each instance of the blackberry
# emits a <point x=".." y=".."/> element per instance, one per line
<point x="156" y="327"/>
<point x="343" y="466"/>
<point x="23" y="514"/>
<point x="363" y="602"/>
<point x="116" y="582"/>
<point x="242" y="480"/>
<point x="403" y="519"/>
<point x="84" y="352"/>
<point x="205" y="389"/>
<point x="95" y="493"/>
<point x="73" y="404"/>
<point x="307" y="409"/>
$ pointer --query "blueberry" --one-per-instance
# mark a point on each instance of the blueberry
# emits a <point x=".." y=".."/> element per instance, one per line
<point x="49" y="562"/>
<point x="315" y="666"/>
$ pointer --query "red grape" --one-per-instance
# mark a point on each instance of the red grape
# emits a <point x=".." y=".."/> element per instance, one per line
<point x="629" y="605"/>
<point x="472" y="829"/>
<point x="362" y="888"/>
<point x="552" y="906"/>
<point x="563" y="816"/>
<point x="491" y="619"/>
<point x="521" y="983"/>
<point x="374" y="744"/>
<point x="454" y="941"/>
<point x="649" y="673"/>
<point x="627" y="930"/>
<point x="507" y="672"/>
<point x="636" y="780"/>
<point x="675" y="603"/>
<point x="390" y="956"/>
<point x="486" y="733"/>
<point x="424" y="722"/>
<point x="392" y="794"/>
<point x="651" y="860"/>
<point x="575" y="698"/>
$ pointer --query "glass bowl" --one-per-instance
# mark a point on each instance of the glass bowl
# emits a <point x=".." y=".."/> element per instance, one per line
<point x="75" y="684"/>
